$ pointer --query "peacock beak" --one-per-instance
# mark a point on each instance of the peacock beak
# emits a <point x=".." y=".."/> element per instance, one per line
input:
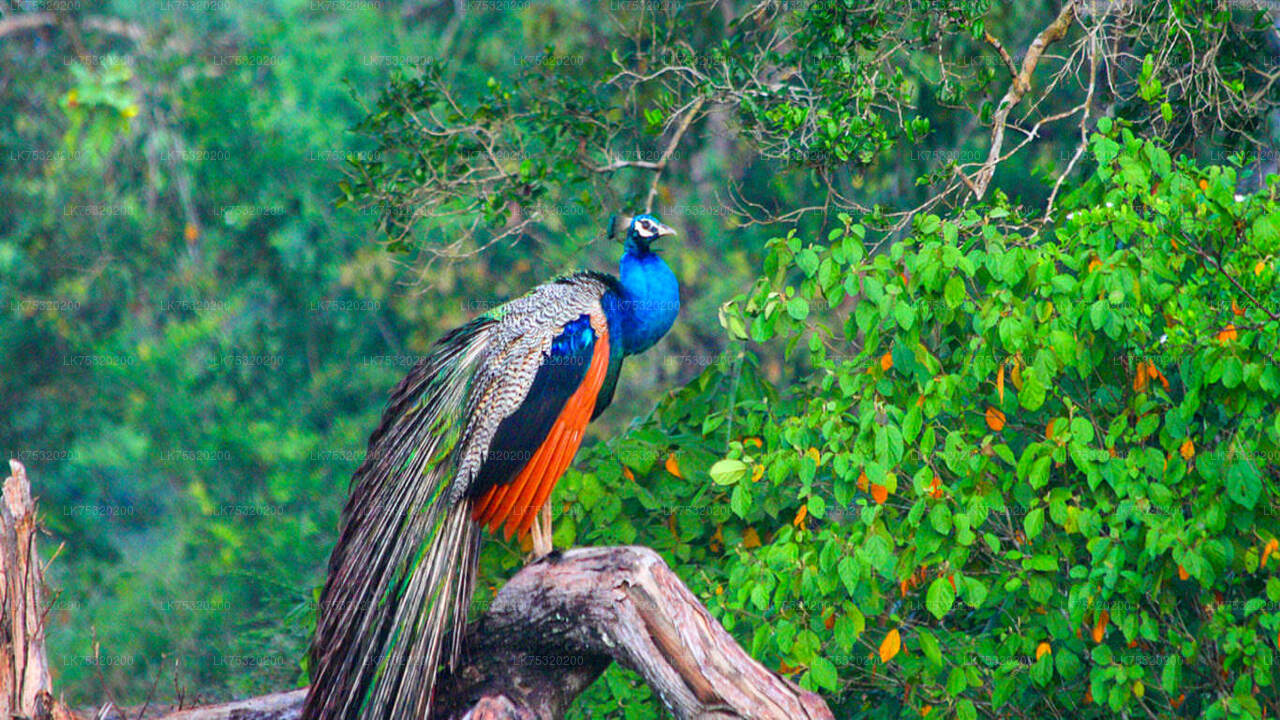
<point x="663" y="230"/>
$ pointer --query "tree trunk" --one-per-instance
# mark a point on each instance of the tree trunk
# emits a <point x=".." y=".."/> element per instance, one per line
<point x="549" y="633"/>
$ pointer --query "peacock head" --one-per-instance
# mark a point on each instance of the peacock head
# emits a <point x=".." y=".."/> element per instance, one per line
<point x="642" y="230"/>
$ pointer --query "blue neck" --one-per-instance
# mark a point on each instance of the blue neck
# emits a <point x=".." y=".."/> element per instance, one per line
<point x="650" y="301"/>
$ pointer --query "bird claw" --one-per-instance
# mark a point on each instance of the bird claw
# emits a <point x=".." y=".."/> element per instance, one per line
<point x="541" y="534"/>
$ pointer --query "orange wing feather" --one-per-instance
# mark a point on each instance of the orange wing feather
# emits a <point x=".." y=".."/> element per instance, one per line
<point x="516" y="503"/>
<point x="555" y="445"/>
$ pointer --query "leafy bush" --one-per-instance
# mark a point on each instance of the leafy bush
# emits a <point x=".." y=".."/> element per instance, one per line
<point x="1021" y="469"/>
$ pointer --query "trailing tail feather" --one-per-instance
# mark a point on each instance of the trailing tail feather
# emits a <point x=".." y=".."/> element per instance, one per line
<point x="403" y="571"/>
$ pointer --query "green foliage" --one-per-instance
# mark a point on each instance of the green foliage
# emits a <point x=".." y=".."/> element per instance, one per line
<point x="1075" y="432"/>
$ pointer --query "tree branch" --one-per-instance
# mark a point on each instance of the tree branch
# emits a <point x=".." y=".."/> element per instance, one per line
<point x="36" y="20"/>
<point x="1017" y="89"/>
<point x="671" y="148"/>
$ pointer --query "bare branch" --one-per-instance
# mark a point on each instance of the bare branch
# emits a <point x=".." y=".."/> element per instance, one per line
<point x="1021" y="84"/>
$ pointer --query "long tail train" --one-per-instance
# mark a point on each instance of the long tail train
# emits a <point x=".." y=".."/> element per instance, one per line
<point x="404" y="568"/>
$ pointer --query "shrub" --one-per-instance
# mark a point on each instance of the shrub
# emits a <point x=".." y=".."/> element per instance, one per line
<point x="1015" y="469"/>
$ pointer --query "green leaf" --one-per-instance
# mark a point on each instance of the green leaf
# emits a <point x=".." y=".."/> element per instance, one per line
<point x="848" y="571"/>
<point x="954" y="293"/>
<point x="824" y="674"/>
<point x="798" y="308"/>
<point x="940" y="597"/>
<point x="1039" y="474"/>
<point x="1042" y="670"/>
<point x="929" y="646"/>
<point x="1101" y="655"/>
<point x="1033" y="523"/>
<point x="1171" y="675"/>
<point x="1033" y="389"/>
<point x="1243" y="483"/>
<point x="956" y="682"/>
<point x="975" y="592"/>
<point x="911" y="424"/>
<point x="728" y="472"/>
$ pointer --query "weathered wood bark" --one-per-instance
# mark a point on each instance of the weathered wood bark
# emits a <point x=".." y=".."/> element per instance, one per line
<point x="549" y="633"/>
<point x="25" y="688"/>
<point x="559" y="622"/>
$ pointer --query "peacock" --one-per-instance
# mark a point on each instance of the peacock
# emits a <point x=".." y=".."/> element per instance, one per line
<point x="474" y="437"/>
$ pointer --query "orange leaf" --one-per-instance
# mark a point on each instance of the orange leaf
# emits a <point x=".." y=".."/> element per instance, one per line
<point x="673" y="466"/>
<point x="830" y="621"/>
<point x="886" y="361"/>
<point x="1188" y="450"/>
<point x="753" y="441"/>
<point x="800" y="516"/>
<point x="890" y="646"/>
<point x="1100" y="628"/>
<point x="1204" y="184"/>
<point x="1140" y="379"/>
<point x="1178" y="701"/>
<point x="1257" y="269"/>
<point x="1236" y="308"/>
<point x="1182" y="573"/>
<point x="1048" y="429"/>
<point x="191" y="233"/>
<point x="1016" y="377"/>
<point x="926" y="710"/>
<point x="815" y="454"/>
<point x="1271" y="546"/>
<point x="1088" y="696"/>
<point x="1043" y="649"/>
<point x="995" y="419"/>
<point x="879" y="493"/>
<point x="1228" y="334"/>
<point x="626" y="473"/>
<point x="862" y="481"/>
<point x="1000" y="384"/>
<point x="1163" y="380"/>
<point x="935" y="487"/>
<point x="750" y="538"/>
<point x="757" y="473"/>
<point x="1094" y="264"/>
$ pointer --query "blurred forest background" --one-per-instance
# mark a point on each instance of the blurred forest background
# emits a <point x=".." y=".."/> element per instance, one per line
<point x="227" y="229"/>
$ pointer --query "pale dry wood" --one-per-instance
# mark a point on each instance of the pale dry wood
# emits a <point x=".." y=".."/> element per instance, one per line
<point x="37" y="20"/>
<point x="25" y="687"/>
<point x="582" y="609"/>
